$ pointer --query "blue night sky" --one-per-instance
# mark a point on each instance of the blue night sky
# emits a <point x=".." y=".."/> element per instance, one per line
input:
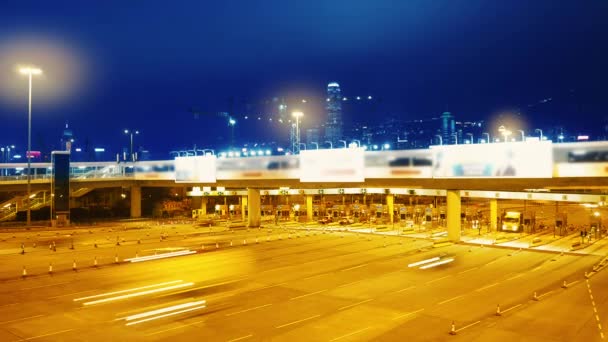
<point x="111" y="65"/>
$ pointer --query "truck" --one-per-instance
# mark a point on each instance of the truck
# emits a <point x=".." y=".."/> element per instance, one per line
<point x="512" y="221"/>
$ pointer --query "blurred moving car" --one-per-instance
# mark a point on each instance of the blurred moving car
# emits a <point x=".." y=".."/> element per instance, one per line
<point x="326" y="220"/>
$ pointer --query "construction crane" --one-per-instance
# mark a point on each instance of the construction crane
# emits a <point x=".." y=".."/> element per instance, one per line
<point x="230" y="120"/>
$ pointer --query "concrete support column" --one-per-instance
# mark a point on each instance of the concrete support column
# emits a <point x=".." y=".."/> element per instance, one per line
<point x="390" y="204"/>
<point x="453" y="214"/>
<point x="254" y="207"/>
<point x="203" y="205"/>
<point x="243" y="207"/>
<point x="493" y="215"/>
<point x="135" y="201"/>
<point x="309" y="208"/>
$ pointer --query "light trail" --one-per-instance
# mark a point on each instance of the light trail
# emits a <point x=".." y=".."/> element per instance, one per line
<point x="423" y="262"/>
<point x="138" y="294"/>
<point x="161" y="256"/>
<point x="163" y="310"/>
<point x="442" y="262"/>
<point x="125" y="291"/>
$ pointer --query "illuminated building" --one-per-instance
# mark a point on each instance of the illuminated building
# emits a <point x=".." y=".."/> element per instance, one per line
<point x="333" y="125"/>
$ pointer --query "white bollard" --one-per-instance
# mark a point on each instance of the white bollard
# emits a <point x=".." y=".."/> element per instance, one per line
<point x="50" y="268"/>
<point x="535" y="297"/>
<point x="565" y="285"/>
<point x="230" y="243"/>
<point x="74" y="265"/>
<point x="498" y="313"/>
<point x="24" y="272"/>
<point x="453" y="329"/>
<point x="217" y="245"/>
<point x="116" y="259"/>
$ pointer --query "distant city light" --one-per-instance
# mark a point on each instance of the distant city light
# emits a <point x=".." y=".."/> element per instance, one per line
<point x="375" y="147"/>
<point x="78" y="149"/>
<point x="582" y="137"/>
<point x="344" y="99"/>
<point x="279" y="149"/>
<point x="386" y="146"/>
<point x="230" y="154"/>
<point x="252" y="153"/>
<point x="268" y="152"/>
<point x="369" y="97"/>
<point x="17" y="156"/>
<point x="358" y="97"/>
<point x="99" y="149"/>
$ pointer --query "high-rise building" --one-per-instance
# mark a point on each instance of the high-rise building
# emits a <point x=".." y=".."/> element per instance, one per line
<point x="67" y="138"/>
<point x="333" y="125"/>
<point x="448" y="129"/>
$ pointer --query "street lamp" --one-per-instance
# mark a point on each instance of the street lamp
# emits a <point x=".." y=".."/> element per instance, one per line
<point x="440" y="139"/>
<point x="131" y="133"/>
<point x="358" y="142"/>
<point x="455" y="135"/>
<point x="316" y="144"/>
<point x="331" y="145"/>
<point x="296" y="146"/>
<point x="302" y="144"/>
<point x="343" y="141"/>
<point x="540" y="131"/>
<point x="488" y="134"/>
<point x="29" y="71"/>
<point x="523" y="135"/>
<point x="386" y="146"/>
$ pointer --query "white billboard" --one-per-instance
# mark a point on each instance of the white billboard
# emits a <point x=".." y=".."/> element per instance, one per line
<point x="502" y="160"/>
<point x="333" y="165"/>
<point x="197" y="169"/>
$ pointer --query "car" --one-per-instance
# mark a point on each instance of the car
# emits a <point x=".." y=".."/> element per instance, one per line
<point x="326" y="220"/>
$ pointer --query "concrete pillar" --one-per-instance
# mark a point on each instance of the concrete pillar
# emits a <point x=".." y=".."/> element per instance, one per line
<point x="254" y="207"/>
<point x="135" y="201"/>
<point x="493" y="214"/>
<point x="243" y="207"/>
<point x="203" y="205"/>
<point x="390" y="204"/>
<point x="453" y="214"/>
<point x="309" y="208"/>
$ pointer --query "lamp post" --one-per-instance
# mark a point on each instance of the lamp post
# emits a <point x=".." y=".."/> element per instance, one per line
<point x="296" y="146"/>
<point x="488" y="134"/>
<point x="331" y="145"/>
<point x="455" y="135"/>
<point x="29" y="71"/>
<point x="358" y="142"/>
<point x="523" y="135"/>
<point x="343" y="141"/>
<point x="440" y="139"/>
<point x="131" y="133"/>
<point x="541" y="133"/>
<point x="302" y="144"/>
<point x="316" y="144"/>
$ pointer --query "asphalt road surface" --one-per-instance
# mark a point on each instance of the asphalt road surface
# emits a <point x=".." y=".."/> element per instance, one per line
<point x="292" y="286"/>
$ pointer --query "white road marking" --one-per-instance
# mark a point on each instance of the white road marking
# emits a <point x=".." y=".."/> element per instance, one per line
<point x="246" y="310"/>
<point x="354" y="267"/>
<point x="449" y="300"/>
<point x="178" y="327"/>
<point x="352" y="282"/>
<point x="408" y="314"/>
<point x="240" y="338"/>
<point x="358" y="303"/>
<point x="20" y="319"/>
<point x="41" y="286"/>
<point x="511" y="308"/>
<point x="49" y="334"/>
<point x="470" y="269"/>
<point x="468" y="326"/>
<point x="308" y="294"/>
<point x="486" y="287"/>
<point x="350" y="334"/>
<point x="438" y="279"/>
<point x="268" y="287"/>
<point x="405" y="289"/>
<point x="296" y="322"/>
<point x="516" y="276"/>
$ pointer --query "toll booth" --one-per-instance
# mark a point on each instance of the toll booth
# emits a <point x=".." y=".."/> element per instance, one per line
<point x="198" y="213"/>
<point x="318" y="211"/>
<point x="359" y="211"/>
<point x="337" y="211"/>
<point x="561" y="223"/>
<point x="530" y="221"/>
<point x="234" y="210"/>
<point x="419" y="214"/>
<point x="299" y="212"/>
<point x="283" y="212"/>
<point x="267" y="209"/>
<point x="220" y="210"/>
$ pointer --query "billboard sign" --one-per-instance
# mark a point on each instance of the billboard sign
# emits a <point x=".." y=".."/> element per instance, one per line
<point x="333" y="165"/>
<point x="497" y="160"/>
<point x="197" y="169"/>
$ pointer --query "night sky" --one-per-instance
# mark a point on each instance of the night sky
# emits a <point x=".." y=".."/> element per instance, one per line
<point x="111" y="65"/>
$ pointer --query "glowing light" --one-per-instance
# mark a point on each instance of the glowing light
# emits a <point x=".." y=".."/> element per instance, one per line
<point x="333" y="84"/>
<point x="161" y="256"/>
<point x="128" y="290"/>
<point x="369" y="97"/>
<point x="30" y="70"/>
<point x="442" y="262"/>
<point x="166" y="315"/>
<point x="297" y="114"/>
<point x="163" y="310"/>
<point x="138" y="294"/>
<point x="423" y="262"/>
<point x="217" y="207"/>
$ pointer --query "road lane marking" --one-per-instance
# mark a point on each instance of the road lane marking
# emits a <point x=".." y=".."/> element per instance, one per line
<point x="449" y="300"/>
<point x="240" y="338"/>
<point x="296" y="322"/>
<point x="354" y="267"/>
<point x="438" y="279"/>
<point x="20" y="319"/>
<point x="408" y="314"/>
<point x="41" y="286"/>
<point x="128" y="290"/>
<point x="49" y="334"/>
<point x="174" y="328"/>
<point x="486" y="287"/>
<point x="11" y="304"/>
<point x="308" y="294"/>
<point x="544" y="294"/>
<point x="268" y="287"/>
<point x="358" y="303"/>
<point x="468" y="326"/>
<point x="165" y="315"/>
<point x="572" y="283"/>
<point x="511" y="308"/>
<point x="470" y="269"/>
<point x="349" y="334"/>
<point x="405" y="289"/>
<point x="491" y="262"/>
<point x="246" y="310"/>
<point x="352" y="282"/>
<point x="516" y="276"/>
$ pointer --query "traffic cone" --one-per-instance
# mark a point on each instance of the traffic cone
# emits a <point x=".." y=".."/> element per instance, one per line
<point x="244" y="242"/>
<point x="453" y="330"/>
<point x="565" y="285"/>
<point x="136" y="254"/>
<point x="535" y="297"/>
<point x="95" y="262"/>
<point x="50" y="268"/>
<point x="256" y="240"/>
<point x="24" y="273"/>
<point x="498" y="313"/>
<point x="74" y="265"/>
<point x="202" y="247"/>
<point x="116" y="258"/>
<point x="230" y="243"/>
<point x="217" y="245"/>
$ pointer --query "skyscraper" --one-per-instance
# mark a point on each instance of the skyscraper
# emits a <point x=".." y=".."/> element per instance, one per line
<point x="447" y="128"/>
<point x="333" y="125"/>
